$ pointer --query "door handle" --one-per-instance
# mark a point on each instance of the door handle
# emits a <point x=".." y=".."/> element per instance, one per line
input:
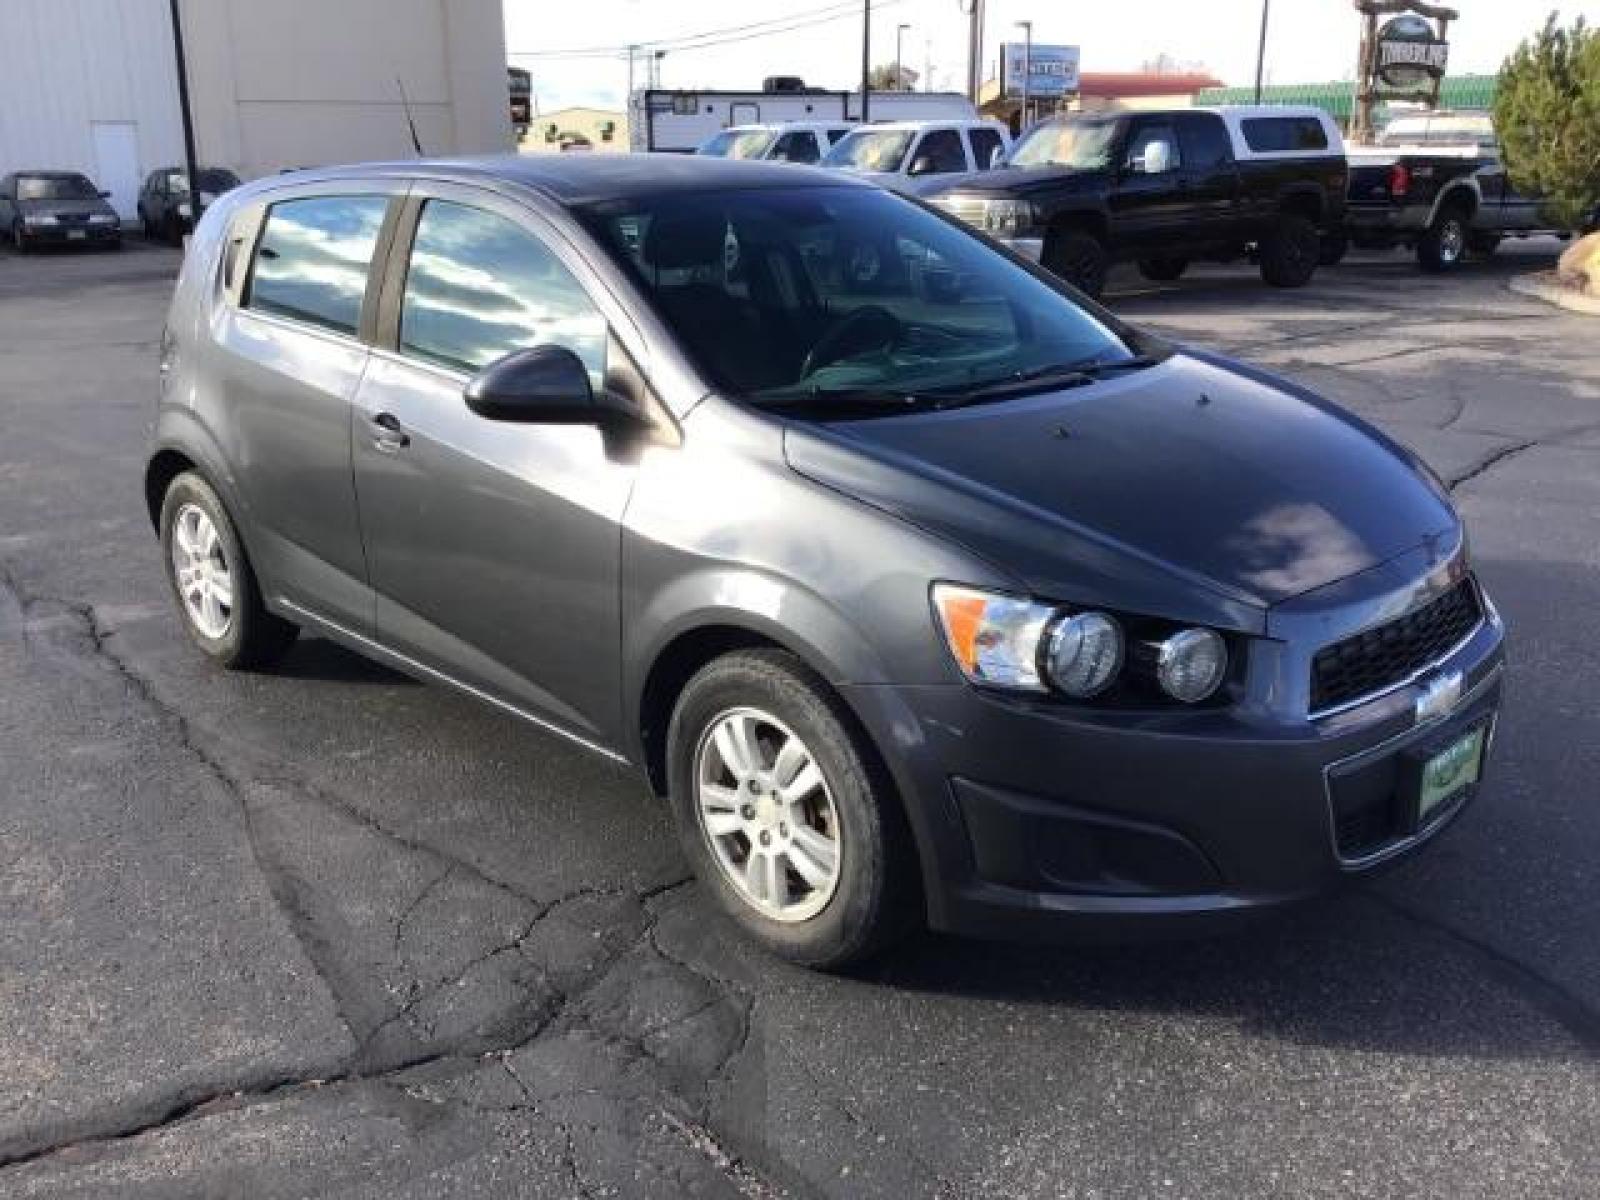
<point x="387" y="433"/>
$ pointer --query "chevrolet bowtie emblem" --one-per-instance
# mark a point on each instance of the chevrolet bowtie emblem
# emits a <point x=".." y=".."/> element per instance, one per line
<point x="1439" y="696"/>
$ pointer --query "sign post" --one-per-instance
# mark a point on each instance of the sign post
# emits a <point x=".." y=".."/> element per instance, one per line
<point x="1404" y="58"/>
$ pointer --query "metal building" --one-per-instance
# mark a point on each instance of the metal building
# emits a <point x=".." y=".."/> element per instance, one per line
<point x="91" y="85"/>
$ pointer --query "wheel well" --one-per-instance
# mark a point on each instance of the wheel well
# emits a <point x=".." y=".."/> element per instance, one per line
<point x="166" y="466"/>
<point x="1302" y="204"/>
<point x="1461" y="197"/>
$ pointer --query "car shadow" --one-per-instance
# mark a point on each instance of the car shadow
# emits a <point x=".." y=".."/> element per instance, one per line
<point x="320" y="660"/>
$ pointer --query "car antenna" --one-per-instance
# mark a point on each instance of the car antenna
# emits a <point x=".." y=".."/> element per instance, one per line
<point x="416" y="142"/>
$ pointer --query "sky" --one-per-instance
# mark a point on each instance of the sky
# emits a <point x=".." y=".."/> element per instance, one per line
<point x="1307" y="40"/>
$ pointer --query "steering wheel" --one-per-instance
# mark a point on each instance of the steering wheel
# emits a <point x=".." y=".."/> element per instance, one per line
<point x="864" y="328"/>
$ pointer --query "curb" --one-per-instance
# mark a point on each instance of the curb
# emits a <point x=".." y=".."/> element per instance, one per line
<point x="1543" y="286"/>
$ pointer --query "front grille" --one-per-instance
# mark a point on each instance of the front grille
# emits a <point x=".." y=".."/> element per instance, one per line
<point x="1388" y="654"/>
<point x="969" y="209"/>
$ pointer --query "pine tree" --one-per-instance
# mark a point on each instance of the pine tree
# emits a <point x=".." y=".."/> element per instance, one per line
<point x="1547" y="114"/>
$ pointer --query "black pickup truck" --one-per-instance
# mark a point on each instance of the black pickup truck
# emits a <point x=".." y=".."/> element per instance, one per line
<point x="1435" y="181"/>
<point x="1163" y="189"/>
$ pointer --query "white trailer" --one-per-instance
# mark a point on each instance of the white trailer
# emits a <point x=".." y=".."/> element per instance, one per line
<point x="679" y="120"/>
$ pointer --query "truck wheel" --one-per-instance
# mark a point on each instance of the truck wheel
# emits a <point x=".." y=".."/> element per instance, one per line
<point x="1334" y="247"/>
<point x="784" y="813"/>
<point x="1163" y="269"/>
<point x="1444" y="243"/>
<point x="1289" y="251"/>
<point x="1078" y="257"/>
<point x="1483" y="244"/>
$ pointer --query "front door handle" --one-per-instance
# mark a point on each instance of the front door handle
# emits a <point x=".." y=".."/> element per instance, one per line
<point x="387" y="433"/>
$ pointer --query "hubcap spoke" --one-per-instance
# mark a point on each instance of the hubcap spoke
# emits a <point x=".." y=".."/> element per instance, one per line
<point x="201" y="572"/>
<point x="812" y="855"/>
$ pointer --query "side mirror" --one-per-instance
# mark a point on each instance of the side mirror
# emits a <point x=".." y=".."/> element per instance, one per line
<point x="542" y="384"/>
<point x="920" y="165"/>
<point x="1157" y="158"/>
<point x="997" y="158"/>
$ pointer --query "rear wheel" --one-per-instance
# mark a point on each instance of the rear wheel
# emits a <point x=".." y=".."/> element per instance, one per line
<point x="1443" y="244"/>
<point x="1079" y="257"/>
<point x="1289" y="251"/>
<point x="1334" y="247"/>
<point x="783" y="814"/>
<point x="1163" y="270"/>
<point x="212" y="581"/>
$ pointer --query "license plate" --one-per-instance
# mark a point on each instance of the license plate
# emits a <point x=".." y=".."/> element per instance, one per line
<point x="1447" y="772"/>
<point x="76" y="235"/>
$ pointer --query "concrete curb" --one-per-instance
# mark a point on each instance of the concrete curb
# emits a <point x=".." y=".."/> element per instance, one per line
<point x="1543" y="286"/>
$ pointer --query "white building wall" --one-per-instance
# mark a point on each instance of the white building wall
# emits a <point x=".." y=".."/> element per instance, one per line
<point x="273" y="83"/>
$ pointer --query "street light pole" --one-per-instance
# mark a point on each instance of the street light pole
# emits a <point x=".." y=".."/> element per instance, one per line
<point x="1027" y="69"/>
<point x="899" y="80"/>
<point x="1261" y="46"/>
<point x="866" y="57"/>
<point x="190" y="161"/>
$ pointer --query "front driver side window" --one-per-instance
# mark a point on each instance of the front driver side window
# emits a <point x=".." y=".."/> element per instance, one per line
<point x="480" y="286"/>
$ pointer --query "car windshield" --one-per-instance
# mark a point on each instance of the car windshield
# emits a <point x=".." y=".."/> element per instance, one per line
<point x="739" y="143"/>
<point x="55" y="187"/>
<point x="1085" y="145"/>
<point x="871" y="150"/>
<point x="836" y="298"/>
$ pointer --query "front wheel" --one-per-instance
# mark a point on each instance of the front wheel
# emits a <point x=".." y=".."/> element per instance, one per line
<point x="1079" y="257"/>
<point x="1163" y="270"/>
<point x="1289" y="251"/>
<point x="1444" y="243"/>
<point x="212" y="580"/>
<point x="784" y="814"/>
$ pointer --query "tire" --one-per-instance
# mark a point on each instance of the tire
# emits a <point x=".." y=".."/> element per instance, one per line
<point x="1334" y="247"/>
<point x="842" y="909"/>
<point x="1289" y="251"/>
<point x="19" y="239"/>
<point x="1443" y="244"/>
<point x="1483" y="244"/>
<point x="1079" y="257"/>
<point x="248" y="635"/>
<point x="1163" y="270"/>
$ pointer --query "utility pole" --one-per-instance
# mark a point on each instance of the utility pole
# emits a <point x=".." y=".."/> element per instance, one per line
<point x="1027" y="69"/>
<point x="191" y="163"/>
<point x="866" y="57"/>
<point x="1261" y="46"/>
<point x="974" y="10"/>
<point x="899" y="81"/>
<point x="633" y="52"/>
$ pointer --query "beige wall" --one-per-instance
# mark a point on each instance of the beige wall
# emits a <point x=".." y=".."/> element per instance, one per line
<point x="290" y="83"/>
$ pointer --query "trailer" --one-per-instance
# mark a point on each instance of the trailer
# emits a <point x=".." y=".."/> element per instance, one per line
<point x="677" y="121"/>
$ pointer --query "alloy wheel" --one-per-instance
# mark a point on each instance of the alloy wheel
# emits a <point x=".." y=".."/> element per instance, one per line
<point x="201" y="572"/>
<point x="768" y="815"/>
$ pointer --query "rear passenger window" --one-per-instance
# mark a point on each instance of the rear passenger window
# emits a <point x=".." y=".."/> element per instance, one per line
<point x="311" y="264"/>
<point x="796" y="146"/>
<point x="939" y="153"/>
<point x="984" y="144"/>
<point x="1277" y="135"/>
<point x="479" y="286"/>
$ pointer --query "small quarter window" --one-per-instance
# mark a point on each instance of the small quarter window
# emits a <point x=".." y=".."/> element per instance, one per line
<point x="938" y="153"/>
<point x="480" y="286"/>
<point x="313" y="258"/>
<point x="1283" y="135"/>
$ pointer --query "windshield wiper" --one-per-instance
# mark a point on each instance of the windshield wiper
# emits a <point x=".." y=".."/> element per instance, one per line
<point x="1055" y="375"/>
<point x="837" y="401"/>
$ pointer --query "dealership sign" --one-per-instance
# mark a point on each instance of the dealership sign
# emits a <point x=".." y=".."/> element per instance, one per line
<point x="1051" y="71"/>
<point x="1410" y="53"/>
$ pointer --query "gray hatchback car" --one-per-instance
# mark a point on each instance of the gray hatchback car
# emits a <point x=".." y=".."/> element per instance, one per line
<point x="922" y="588"/>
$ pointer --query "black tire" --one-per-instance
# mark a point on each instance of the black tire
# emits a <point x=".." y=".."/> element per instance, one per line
<point x="1443" y="244"/>
<point x="19" y="239"/>
<point x="1163" y="270"/>
<point x="1483" y="244"/>
<point x="1334" y="247"/>
<point x="1079" y="257"/>
<point x="172" y="229"/>
<point x="1289" y="251"/>
<point x="874" y="899"/>
<point x="254" y="637"/>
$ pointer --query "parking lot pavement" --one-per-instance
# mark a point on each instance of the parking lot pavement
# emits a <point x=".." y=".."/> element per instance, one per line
<point x="328" y="931"/>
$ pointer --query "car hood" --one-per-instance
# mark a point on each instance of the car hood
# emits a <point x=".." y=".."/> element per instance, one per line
<point x="1187" y="489"/>
<point x="1017" y="181"/>
<point x="64" y="208"/>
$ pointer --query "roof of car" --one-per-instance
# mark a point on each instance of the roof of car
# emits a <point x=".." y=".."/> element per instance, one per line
<point x="749" y="126"/>
<point x="572" y="179"/>
<point x="930" y="123"/>
<point x="52" y="174"/>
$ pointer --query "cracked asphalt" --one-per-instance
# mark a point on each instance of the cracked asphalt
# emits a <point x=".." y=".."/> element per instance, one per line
<point x="327" y="931"/>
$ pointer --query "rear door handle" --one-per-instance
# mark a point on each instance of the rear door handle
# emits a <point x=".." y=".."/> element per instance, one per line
<point x="387" y="433"/>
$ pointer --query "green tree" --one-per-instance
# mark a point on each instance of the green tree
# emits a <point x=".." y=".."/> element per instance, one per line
<point x="1547" y="114"/>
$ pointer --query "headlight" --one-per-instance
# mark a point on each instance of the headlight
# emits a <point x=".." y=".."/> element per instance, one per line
<point x="1190" y="664"/>
<point x="994" y="638"/>
<point x="101" y="218"/>
<point x="1008" y="218"/>
<point x="183" y="209"/>
<point x="39" y="219"/>
<point x="1085" y="654"/>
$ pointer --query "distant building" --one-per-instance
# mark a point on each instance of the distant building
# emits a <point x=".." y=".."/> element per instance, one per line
<point x="1101" y="91"/>
<point x="600" y="130"/>
<point x="92" y="86"/>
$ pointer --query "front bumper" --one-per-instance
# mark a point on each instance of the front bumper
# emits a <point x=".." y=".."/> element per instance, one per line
<point x="1037" y="820"/>
<point x="1031" y="248"/>
<point x="71" y="235"/>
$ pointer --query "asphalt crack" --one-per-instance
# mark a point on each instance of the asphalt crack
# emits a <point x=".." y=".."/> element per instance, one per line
<point x="1489" y="462"/>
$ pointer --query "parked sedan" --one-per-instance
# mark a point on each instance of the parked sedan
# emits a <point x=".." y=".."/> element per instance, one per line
<point x="166" y="210"/>
<point x="925" y="593"/>
<point x="40" y="208"/>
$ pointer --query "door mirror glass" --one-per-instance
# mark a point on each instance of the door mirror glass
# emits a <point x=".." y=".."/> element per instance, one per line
<point x="546" y="384"/>
<point x="1158" y="158"/>
<point x="921" y="165"/>
<point x="997" y="158"/>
